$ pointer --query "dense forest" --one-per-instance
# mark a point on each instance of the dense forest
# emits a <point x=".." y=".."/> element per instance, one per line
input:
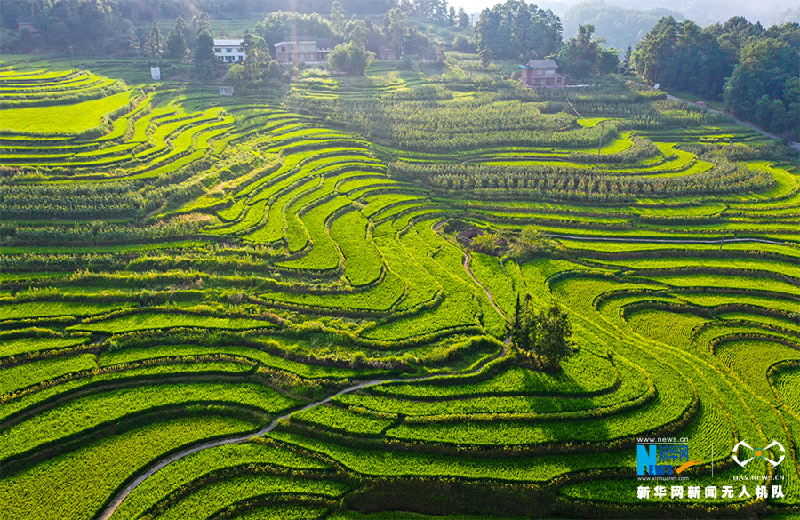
<point x="753" y="69"/>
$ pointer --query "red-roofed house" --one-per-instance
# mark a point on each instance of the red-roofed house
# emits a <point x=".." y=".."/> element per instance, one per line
<point x="542" y="73"/>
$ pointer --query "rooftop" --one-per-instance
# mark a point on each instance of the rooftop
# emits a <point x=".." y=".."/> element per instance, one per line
<point x="540" y="64"/>
<point x="295" y="41"/>
<point x="226" y="43"/>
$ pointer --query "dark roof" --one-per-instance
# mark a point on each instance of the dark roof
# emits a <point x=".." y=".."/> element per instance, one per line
<point x="540" y="64"/>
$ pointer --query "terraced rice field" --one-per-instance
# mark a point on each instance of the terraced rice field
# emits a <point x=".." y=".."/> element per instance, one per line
<point x="180" y="270"/>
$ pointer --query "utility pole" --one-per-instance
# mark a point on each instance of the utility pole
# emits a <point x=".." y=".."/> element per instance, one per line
<point x="72" y="63"/>
<point x="599" y="146"/>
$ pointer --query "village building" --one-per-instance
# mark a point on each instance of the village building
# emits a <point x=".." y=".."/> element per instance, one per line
<point x="27" y="24"/>
<point x="387" y="53"/>
<point x="309" y="51"/>
<point x="542" y="73"/>
<point x="229" y="51"/>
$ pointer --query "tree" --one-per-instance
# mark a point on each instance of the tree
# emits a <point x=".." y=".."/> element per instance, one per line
<point x="254" y="68"/>
<point x="486" y="55"/>
<point x="607" y="61"/>
<point x="626" y="61"/>
<point x="156" y="42"/>
<point x="461" y="43"/>
<point x="337" y="17"/>
<point x="238" y="78"/>
<point x="683" y="56"/>
<point x="274" y="70"/>
<point x="204" y="58"/>
<point x="134" y="45"/>
<point x="204" y="23"/>
<point x="532" y="243"/>
<point x="176" y="41"/>
<point x="579" y="56"/>
<point x="357" y="32"/>
<point x="396" y="29"/>
<point x="767" y="71"/>
<point x="541" y="338"/>
<point x="350" y="58"/>
<point x="25" y="40"/>
<point x="487" y="243"/>
<point x="463" y="18"/>
<point x="278" y="26"/>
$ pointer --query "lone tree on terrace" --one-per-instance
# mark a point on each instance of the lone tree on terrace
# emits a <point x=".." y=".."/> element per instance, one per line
<point x="542" y="337"/>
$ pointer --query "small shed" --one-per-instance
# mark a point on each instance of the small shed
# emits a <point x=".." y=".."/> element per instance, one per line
<point x="226" y="90"/>
<point x="155" y="73"/>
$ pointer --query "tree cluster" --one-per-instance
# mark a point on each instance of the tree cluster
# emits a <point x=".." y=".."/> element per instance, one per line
<point x="754" y="70"/>
<point x="516" y="30"/>
<point x="258" y="67"/>
<point x="542" y="338"/>
<point x="583" y="55"/>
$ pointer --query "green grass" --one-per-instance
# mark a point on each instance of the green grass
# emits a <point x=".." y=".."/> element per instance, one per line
<point x="49" y="489"/>
<point x="363" y="264"/>
<point x="57" y="308"/>
<point x="302" y="369"/>
<point x="160" y="320"/>
<point x="344" y="420"/>
<point x="404" y="463"/>
<point x="213" y="497"/>
<point x="750" y="360"/>
<point x="581" y="374"/>
<point x="21" y="376"/>
<point x="298" y="218"/>
<point x="61" y="119"/>
<point x="92" y="411"/>
<point x="186" y="470"/>
<point x="13" y="347"/>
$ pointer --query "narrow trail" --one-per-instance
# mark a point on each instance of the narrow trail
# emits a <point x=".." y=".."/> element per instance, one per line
<point x="488" y="294"/>
<point x="152" y="469"/>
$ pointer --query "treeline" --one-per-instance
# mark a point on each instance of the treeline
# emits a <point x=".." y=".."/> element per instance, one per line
<point x="116" y="200"/>
<point x="488" y="181"/>
<point x="95" y="234"/>
<point x="753" y="69"/>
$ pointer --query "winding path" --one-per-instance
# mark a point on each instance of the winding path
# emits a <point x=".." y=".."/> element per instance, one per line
<point x="152" y="469"/>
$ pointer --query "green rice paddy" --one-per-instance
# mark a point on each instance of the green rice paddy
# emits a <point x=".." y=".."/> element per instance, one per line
<point x="178" y="267"/>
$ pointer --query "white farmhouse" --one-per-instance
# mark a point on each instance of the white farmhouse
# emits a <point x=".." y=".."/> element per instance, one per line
<point x="229" y="51"/>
